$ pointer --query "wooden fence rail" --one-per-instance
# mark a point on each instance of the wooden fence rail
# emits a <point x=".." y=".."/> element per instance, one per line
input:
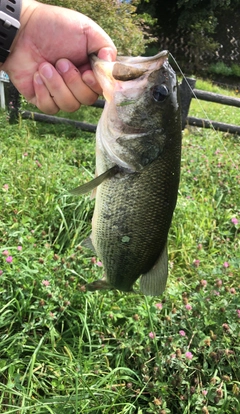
<point x="35" y="116"/>
<point x="187" y="93"/>
<point x="84" y="126"/>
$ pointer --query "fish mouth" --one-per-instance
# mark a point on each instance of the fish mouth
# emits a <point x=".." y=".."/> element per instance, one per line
<point x="128" y="68"/>
<point x="125" y="68"/>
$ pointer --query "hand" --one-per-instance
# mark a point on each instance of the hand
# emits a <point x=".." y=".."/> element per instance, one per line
<point x="49" y="62"/>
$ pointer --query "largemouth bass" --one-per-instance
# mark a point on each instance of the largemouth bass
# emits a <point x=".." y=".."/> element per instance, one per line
<point x="138" y="153"/>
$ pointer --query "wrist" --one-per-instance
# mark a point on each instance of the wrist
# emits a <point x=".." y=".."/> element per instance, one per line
<point x="9" y="25"/>
<point x="13" y="22"/>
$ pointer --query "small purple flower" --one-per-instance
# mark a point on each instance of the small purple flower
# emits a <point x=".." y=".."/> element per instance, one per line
<point x="19" y="248"/>
<point x="234" y="220"/>
<point x="5" y="252"/>
<point x="204" y="392"/>
<point x="189" y="355"/>
<point x="182" y="333"/>
<point x="45" y="282"/>
<point x="225" y="327"/>
<point x="196" y="262"/>
<point x="99" y="264"/>
<point x="238" y="313"/>
<point x="158" y="306"/>
<point x="6" y="187"/>
<point x="226" y="265"/>
<point x="152" y="335"/>
<point x="218" y="282"/>
<point x="9" y="259"/>
<point x="188" y="306"/>
<point x="1" y="272"/>
<point x="216" y="292"/>
<point x="38" y="164"/>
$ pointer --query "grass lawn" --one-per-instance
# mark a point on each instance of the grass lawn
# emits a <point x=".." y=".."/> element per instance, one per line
<point x="67" y="351"/>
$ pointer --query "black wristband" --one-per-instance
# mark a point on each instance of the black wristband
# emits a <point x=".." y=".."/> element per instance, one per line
<point x="10" y="11"/>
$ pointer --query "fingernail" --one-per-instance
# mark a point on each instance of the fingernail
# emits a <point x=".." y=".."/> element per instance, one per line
<point x="62" y="66"/>
<point x="38" y="79"/>
<point x="46" y="71"/>
<point x="107" y="54"/>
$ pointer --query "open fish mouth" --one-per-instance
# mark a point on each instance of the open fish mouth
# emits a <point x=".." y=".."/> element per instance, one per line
<point x="124" y="69"/>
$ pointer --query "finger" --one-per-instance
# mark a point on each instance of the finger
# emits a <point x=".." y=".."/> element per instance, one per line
<point x="98" y="39"/>
<point x="59" y="91"/>
<point x="107" y="53"/>
<point x="90" y="81"/>
<point x="42" y="98"/>
<point x="83" y="86"/>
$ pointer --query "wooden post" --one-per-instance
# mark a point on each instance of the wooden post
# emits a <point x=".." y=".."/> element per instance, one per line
<point x="186" y="89"/>
<point x="13" y="103"/>
<point x="3" y="79"/>
<point x="2" y="94"/>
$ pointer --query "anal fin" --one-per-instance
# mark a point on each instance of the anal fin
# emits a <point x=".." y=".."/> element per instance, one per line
<point x="154" y="282"/>
<point x="88" y="244"/>
<point x="100" y="284"/>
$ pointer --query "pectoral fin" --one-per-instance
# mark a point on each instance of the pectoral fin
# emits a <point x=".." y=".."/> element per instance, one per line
<point x="85" y="188"/>
<point x="154" y="282"/>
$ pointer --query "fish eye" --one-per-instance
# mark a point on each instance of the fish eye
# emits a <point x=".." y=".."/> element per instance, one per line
<point x="160" y="93"/>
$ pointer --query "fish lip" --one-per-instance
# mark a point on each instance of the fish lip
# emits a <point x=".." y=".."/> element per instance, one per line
<point x="164" y="53"/>
<point x="126" y="68"/>
<point x="93" y="58"/>
<point x="141" y="59"/>
<point x="136" y="59"/>
<point x="129" y="68"/>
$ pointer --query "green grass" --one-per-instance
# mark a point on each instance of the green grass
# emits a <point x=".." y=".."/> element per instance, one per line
<point x="215" y="111"/>
<point x="64" y="350"/>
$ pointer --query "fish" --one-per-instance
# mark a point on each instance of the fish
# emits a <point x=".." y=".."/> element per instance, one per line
<point x="138" y="156"/>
